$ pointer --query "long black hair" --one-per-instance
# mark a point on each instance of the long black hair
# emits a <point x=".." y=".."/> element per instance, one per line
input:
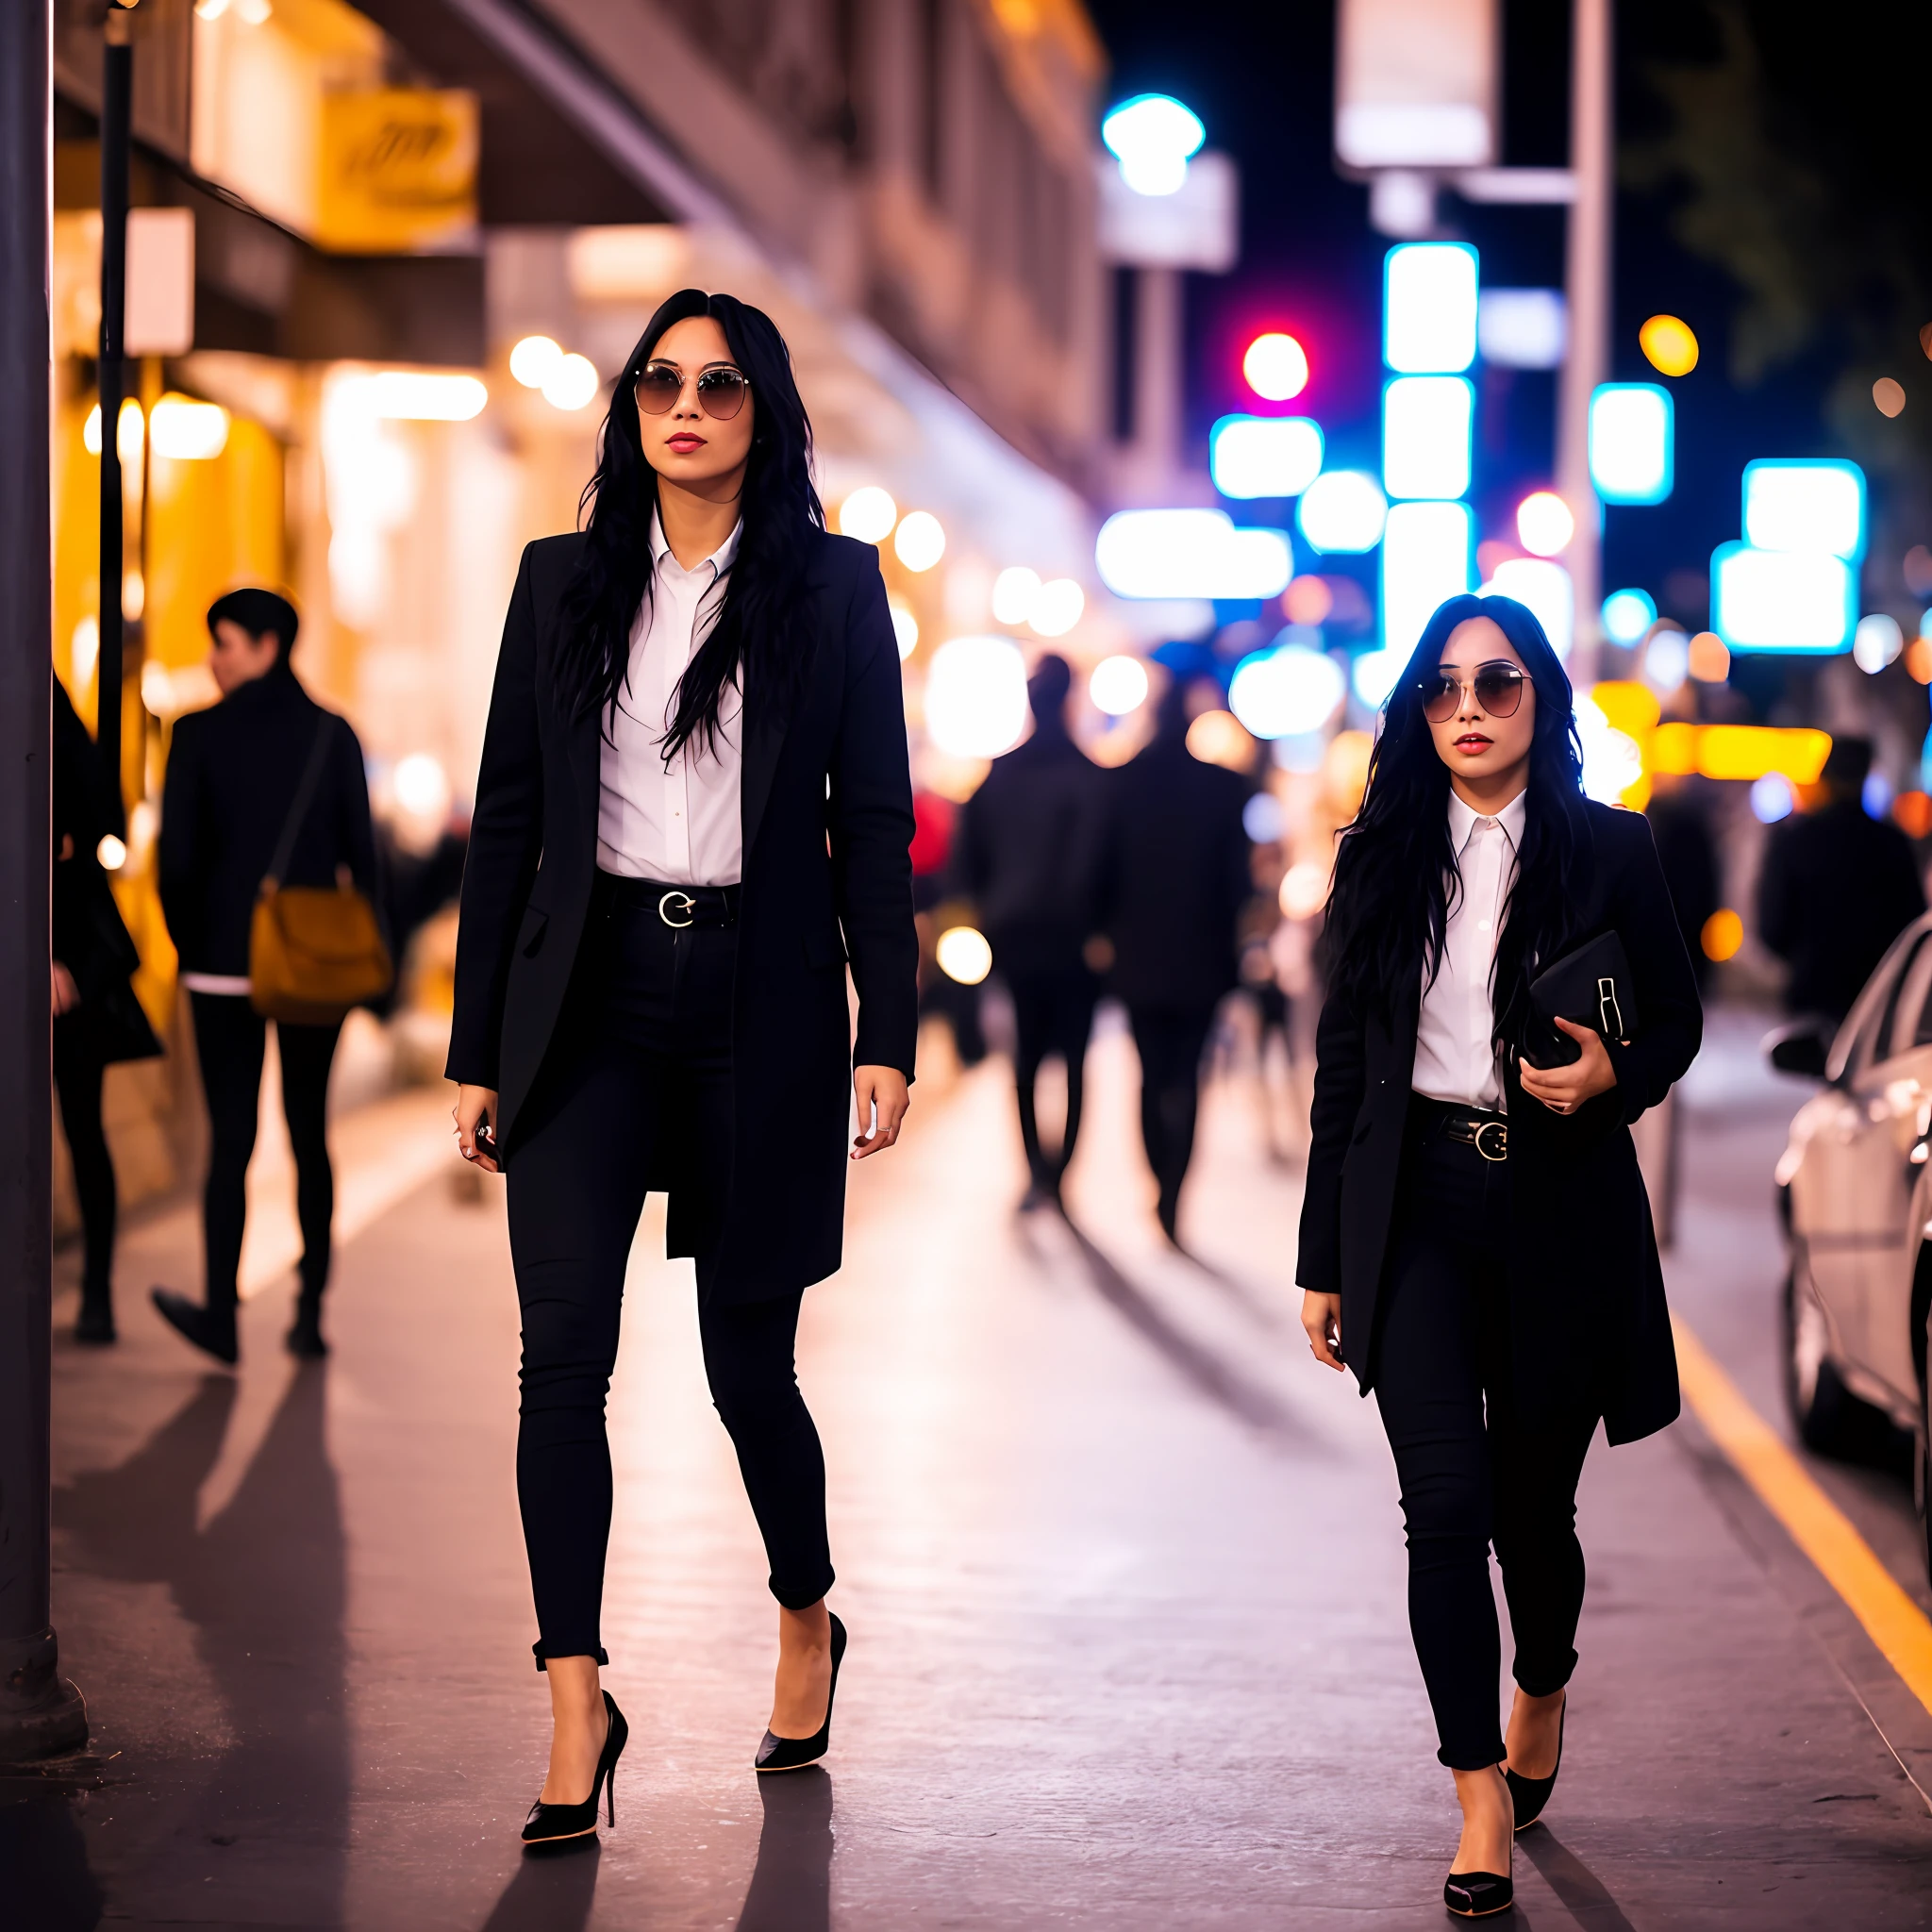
<point x="759" y="640"/>
<point x="1395" y="876"/>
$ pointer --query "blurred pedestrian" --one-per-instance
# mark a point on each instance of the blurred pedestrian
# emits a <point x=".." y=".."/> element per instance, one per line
<point x="1027" y="856"/>
<point x="1838" y="887"/>
<point x="1475" y="1239"/>
<point x="1174" y="880"/>
<point x="694" y="775"/>
<point x="1679" y="815"/>
<point x="265" y="782"/>
<point x="97" y="1020"/>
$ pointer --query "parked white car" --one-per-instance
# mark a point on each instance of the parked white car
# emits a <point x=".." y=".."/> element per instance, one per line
<point x="1854" y="1190"/>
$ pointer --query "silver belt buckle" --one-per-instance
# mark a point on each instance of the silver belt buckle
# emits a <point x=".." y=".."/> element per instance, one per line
<point x="686" y="905"/>
<point x="1501" y="1130"/>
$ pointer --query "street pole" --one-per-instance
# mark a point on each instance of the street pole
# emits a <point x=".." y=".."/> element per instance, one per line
<point x="117" y="102"/>
<point x="1587" y="279"/>
<point x="41" y="1713"/>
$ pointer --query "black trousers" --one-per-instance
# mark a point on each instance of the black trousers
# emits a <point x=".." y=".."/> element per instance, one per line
<point x="1471" y="1476"/>
<point x="230" y="1039"/>
<point x="1053" y="1015"/>
<point x="643" y="1082"/>
<point x="1170" y="1041"/>
<point x="77" y="1074"/>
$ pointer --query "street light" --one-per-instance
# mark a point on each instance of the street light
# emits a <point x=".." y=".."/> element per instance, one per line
<point x="1153" y="137"/>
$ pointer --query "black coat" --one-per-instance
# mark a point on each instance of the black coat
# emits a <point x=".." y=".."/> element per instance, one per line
<point x="1028" y="853"/>
<point x="827" y="808"/>
<point x="232" y="773"/>
<point x="1176" y="876"/>
<point x="1590" y="1328"/>
<point x="1837" y="889"/>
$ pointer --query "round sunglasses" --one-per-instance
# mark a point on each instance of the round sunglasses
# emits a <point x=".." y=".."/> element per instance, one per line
<point x="1497" y="687"/>
<point x="721" y="390"/>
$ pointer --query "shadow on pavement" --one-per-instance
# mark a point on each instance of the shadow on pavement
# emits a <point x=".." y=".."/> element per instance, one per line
<point x="1573" y="1881"/>
<point x="552" y="1892"/>
<point x="44" y="1860"/>
<point x="792" y="1883"/>
<point x="1219" y="1380"/>
<point x="264" y="1589"/>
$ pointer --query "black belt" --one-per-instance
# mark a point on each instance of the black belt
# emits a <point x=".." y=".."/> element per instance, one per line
<point x="677" y="905"/>
<point x="1472" y="1126"/>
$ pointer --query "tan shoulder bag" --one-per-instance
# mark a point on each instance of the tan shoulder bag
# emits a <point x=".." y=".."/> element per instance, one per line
<point x="313" y="951"/>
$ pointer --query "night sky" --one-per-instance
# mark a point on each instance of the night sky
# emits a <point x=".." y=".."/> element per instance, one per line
<point x="1260" y="77"/>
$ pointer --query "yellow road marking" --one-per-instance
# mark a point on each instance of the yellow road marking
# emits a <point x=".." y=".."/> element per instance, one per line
<point x="1893" y="1621"/>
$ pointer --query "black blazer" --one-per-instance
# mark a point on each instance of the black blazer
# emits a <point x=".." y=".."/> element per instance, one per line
<point x="1028" y="853"/>
<point x="232" y="773"/>
<point x="1176" y="876"/>
<point x="827" y="823"/>
<point x="1590" y="1328"/>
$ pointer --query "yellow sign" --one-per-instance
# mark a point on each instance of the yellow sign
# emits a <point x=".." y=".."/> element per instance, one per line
<point x="398" y="170"/>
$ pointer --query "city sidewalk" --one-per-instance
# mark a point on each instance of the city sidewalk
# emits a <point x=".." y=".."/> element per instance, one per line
<point x="1123" y="1572"/>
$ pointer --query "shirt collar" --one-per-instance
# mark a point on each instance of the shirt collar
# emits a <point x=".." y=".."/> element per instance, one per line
<point x="1462" y="820"/>
<point x="720" y="559"/>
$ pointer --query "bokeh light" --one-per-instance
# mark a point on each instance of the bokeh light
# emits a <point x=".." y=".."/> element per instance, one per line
<point x="1668" y="344"/>
<point x="1276" y="366"/>
<point x="1632" y="438"/>
<point x="188" y="431"/>
<point x="1118" y="685"/>
<point x="975" y="697"/>
<point x="1877" y="642"/>
<point x="1343" y="511"/>
<point x="1626" y="615"/>
<point x="1919" y="659"/>
<point x="1058" y="607"/>
<point x="570" y="383"/>
<point x="1264" y="456"/>
<point x="1429" y="308"/>
<point x="1308" y="600"/>
<point x="1262" y="818"/>
<point x="1303" y="889"/>
<point x="869" y="515"/>
<point x="1153" y="135"/>
<point x="1709" y="657"/>
<point x="533" y="358"/>
<point x="964" y="955"/>
<point x="1722" y="934"/>
<point x="920" y="540"/>
<point x="111" y="853"/>
<point x="421" y="786"/>
<point x="1014" y="594"/>
<point x="1217" y="737"/>
<point x="1285" y="692"/>
<point x="1772" y="798"/>
<point x="1888" y="396"/>
<point x="1543" y="522"/>
<point x="1667" y="660"/>
<point x="905" y="630"/>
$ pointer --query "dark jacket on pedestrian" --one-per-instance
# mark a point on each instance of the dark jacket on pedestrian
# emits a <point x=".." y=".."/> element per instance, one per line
<point x="1838" y="887"/>
<point x="826" y="816"/>
<point x="1688" y="854"/>
<point x="232" y="774"/>
<point x="1027" y="852"/>
<point x="1590" y="1328"/>
<point x="1175" y="875"/>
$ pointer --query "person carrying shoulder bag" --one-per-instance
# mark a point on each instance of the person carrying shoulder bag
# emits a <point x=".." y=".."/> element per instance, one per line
<point x="267" y="879"/>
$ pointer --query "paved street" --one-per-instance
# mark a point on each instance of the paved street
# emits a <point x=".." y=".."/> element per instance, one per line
<point x="1124" y="1574"/>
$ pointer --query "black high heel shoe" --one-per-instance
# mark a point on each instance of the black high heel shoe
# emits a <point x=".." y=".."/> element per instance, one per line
<point x="1476" y="1894"/>
<point x="548" y="1823"/>
<point x="1530" y="1794"/>
<point x="794" y="1754"/>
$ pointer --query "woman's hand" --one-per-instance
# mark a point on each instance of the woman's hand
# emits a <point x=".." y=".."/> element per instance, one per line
<point x="476" y="1108"/>
<point x="66" y="993"/>
<point x="1563" y="1089"/>
<point x="1322" y="1318"/>
<point x="884" y="1089"/>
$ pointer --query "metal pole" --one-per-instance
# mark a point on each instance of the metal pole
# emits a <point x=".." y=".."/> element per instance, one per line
<point x="39" y="1712"/>
<point x="1586" y="363"/>
<point x="117" y="91"/>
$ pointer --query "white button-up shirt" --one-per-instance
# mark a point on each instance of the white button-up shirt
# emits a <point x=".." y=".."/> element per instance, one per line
<point x="1455" y="1052"/>
<point x="677" y="821"/>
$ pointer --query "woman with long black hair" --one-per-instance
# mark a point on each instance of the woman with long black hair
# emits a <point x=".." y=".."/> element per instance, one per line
<point x="1475" y="1241"/>
<point x="693" y="807"/>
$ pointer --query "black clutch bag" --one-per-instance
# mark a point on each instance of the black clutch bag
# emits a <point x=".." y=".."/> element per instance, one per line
<point x="1590" y="987"/>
